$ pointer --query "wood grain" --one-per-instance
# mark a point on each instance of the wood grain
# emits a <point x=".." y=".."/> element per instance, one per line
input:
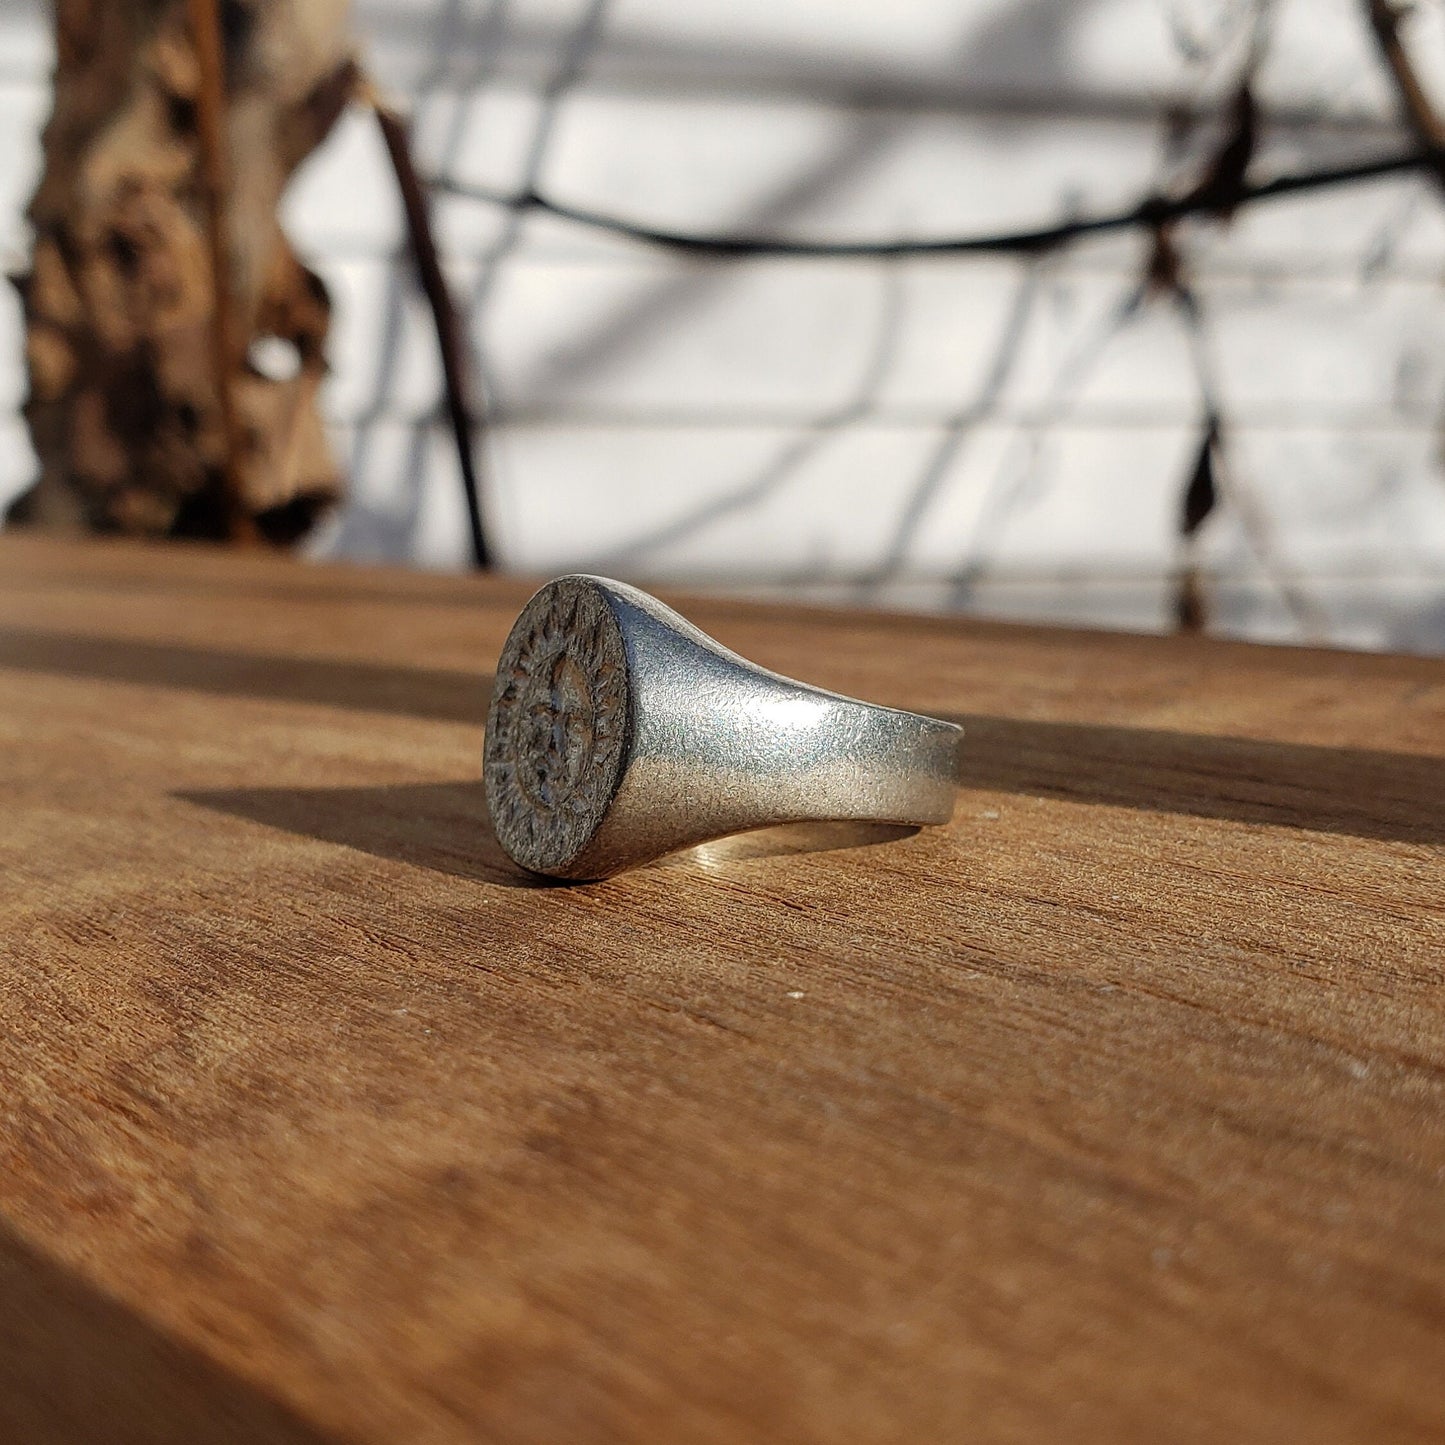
<point x="1115" y="1111"/>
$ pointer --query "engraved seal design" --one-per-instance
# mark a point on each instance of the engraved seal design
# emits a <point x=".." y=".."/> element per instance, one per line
<point x="557" y="726"/>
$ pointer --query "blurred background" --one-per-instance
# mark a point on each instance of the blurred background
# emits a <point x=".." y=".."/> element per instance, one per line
<point x="1232" y="423"/>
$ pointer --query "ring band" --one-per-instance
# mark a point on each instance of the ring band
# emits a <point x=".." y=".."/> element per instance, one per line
<point x="618" y="733"/>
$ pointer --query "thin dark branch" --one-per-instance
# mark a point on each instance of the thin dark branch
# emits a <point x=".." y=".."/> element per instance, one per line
<point x="1152" y="212"/>
<point x="205" y="23"/>
<point x="1420" y="114"/>
<point x="396" y="133"/>
<point x="1230" y="486"/>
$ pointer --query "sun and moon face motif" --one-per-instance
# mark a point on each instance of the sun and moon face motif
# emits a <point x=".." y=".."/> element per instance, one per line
<point x="557" y="727"/>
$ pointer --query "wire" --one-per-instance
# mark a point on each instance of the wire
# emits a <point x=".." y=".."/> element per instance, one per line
<point x="1152" y="212"/>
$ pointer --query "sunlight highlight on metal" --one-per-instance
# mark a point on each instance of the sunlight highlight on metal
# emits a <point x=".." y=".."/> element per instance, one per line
<point x="619" y="733"/>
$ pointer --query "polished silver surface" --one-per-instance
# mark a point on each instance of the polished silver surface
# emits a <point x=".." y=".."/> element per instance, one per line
<point x="618" y="733"/>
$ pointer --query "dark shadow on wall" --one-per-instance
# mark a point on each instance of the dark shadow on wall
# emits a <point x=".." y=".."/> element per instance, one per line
<point x="78" y="1368"/>
<point x="793" y="456"/>
<point x="1037" y="33"/>
<point x="1033" y="37"/>
<point x="1013" y="64"/>
<point x="369" y="531"/>
<point x="1028" y="43"/>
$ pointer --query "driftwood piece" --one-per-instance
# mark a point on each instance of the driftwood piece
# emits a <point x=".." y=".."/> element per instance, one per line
<point x="124" y="410"/>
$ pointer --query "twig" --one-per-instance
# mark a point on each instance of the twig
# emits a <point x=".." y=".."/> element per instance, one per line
<point x="1152" y="212"/>
<point x="1227" y="487"/>
<point x="211" y="129"/>
<point x="1420" y="114"/>
<point x="396" y="133"/>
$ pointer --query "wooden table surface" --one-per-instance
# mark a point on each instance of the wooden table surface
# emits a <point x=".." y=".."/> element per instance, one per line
<point x="1115" y="1111"/>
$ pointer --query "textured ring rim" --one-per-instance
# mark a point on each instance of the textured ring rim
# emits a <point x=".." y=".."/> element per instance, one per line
<point x="558" y="725"/>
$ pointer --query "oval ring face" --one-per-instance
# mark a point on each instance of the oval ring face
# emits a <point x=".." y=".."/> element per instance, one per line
<point x="557" y="726"/>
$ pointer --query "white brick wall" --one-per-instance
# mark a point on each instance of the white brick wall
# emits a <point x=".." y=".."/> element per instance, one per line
<point x="970" y="432"/>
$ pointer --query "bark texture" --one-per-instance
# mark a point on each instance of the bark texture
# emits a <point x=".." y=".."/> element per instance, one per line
<point x="124" y="409"/>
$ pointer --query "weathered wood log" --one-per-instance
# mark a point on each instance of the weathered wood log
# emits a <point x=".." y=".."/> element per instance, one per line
<point x="125" y="412"/>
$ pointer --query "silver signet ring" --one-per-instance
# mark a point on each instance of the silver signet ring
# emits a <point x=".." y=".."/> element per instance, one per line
<point x="619" y="733"/>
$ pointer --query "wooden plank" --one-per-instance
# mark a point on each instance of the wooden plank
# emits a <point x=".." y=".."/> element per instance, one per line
<point x="1114" y="1111"/>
